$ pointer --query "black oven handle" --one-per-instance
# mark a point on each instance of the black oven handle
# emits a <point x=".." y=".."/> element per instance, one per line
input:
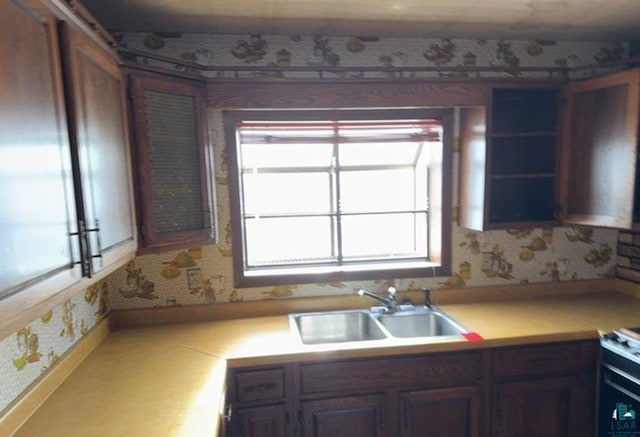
<point x="609" y="371"/>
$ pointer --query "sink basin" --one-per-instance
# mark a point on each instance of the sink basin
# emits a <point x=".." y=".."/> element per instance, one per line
<point x="369" y="325"/>
<point x="336" y="327"/>
<point x="420" y="323"/>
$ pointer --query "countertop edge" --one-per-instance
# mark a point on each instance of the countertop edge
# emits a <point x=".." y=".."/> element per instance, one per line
<point x="19" y="411"/>
<point x="302" y="356"/>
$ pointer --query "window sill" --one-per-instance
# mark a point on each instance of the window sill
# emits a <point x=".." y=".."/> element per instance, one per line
<point x="325" y="274"/>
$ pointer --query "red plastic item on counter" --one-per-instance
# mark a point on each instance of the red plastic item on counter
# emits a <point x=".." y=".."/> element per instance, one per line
<point x="473" y="336"/>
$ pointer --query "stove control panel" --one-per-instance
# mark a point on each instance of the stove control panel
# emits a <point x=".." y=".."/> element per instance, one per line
<point x="622" y="343"/>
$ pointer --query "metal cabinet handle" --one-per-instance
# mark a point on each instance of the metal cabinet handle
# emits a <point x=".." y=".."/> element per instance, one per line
<point x="82" y="239"/>
<point x="96" y="229"/>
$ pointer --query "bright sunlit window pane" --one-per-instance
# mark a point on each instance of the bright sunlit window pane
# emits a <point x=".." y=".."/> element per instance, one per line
<point x="378" y="190"/>
<point x="354" y="154"/>
<point x="286" y="155"/>
<point x="336" y="194"/>
<point x="384" y="236"/>
<point x="273" y="241"/>
<point x="266" y="193"/>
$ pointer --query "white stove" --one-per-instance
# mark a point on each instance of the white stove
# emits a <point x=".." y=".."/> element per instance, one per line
<point x="624" y="342"/>
<point x="619" y="384"/>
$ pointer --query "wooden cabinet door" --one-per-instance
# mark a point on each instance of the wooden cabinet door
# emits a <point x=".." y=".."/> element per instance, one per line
<point x="98" y="126"/>
<point x="554" y="407"/>
<point x="264" y="421"/>
<point x="449" y="412"/>
<point x="174" y="163"/>
<point x="599" y="157"/>
<point x="355" y="416"/>
<point x="37" y="213"/>
<point x="472" y="191"/>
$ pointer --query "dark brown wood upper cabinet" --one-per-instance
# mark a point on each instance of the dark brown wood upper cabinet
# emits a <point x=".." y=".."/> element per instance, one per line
<point x="96" y="105"/>
<point x="174" y="162"/>
<point x="37" y="216"/>
<point x="599" y="157"/>
<point x="508" y="161"/>
<point x="508" y="172"/>
<point x="65" y="178"/>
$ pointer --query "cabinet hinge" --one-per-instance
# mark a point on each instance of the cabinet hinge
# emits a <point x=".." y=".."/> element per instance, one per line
<point x="558" y="211"/>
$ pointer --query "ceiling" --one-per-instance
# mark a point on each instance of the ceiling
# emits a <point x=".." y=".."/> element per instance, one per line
<point x="475" y="19"/>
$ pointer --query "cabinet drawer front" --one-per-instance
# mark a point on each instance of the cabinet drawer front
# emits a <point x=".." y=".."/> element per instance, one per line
<point x="438" y="370"/>
<point x="260" y="385"/>
<point x="539" y="360"/>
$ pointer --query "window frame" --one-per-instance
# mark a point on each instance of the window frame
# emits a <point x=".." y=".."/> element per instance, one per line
<point x="442" y="225"/>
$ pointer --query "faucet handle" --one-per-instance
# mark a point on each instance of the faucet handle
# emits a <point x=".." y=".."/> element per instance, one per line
<point x="392" y="292"/>
<point x="427" y="298"/>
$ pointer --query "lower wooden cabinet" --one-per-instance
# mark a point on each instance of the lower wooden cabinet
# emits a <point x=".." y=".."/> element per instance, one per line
<point x="552" y="407"/>
<point x="449" y="412"/>
<point x="354" y="416"/>
<point x="544" y="390"/>
<point x="541" y="390"/>
<point x="263" y="421"/>
<point x="260" y="402"/>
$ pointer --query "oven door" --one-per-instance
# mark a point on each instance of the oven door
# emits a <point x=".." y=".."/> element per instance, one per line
<point x="619" y="403"/>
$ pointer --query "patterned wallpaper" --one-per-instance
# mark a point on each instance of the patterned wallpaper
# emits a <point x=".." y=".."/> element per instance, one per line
<point x="203" y="275"/>
<point x="32" y="350"/>
<point x="318" y="51"/>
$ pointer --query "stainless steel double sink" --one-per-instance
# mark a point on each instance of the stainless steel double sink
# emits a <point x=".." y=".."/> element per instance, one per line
<point x="372" y="325"/>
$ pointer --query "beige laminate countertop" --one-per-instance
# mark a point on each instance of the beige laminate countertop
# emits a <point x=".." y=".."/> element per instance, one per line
<point x="168" y="380"/>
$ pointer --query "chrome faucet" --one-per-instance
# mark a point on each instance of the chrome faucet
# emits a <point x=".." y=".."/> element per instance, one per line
<point x="390" y="303"/>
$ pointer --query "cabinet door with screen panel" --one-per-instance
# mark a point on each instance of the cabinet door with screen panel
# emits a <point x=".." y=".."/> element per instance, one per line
<point x="174" y="162"/>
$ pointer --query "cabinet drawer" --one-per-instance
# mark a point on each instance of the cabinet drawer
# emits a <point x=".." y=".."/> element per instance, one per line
<point x="543" y="359"/>
<point x="260" y="385"/>
<point x="437" y="370"/>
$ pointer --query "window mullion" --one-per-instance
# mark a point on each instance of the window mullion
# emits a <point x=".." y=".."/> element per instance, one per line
<point x="428" y="208"/>
<point x="416" y="192"/>
<point x="337" y="204"/>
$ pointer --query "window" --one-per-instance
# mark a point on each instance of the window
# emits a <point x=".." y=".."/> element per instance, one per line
<point x="319" y="196"/>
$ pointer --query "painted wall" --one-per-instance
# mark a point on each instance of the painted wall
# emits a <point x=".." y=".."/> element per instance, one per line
<point x="203" y="275"/>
